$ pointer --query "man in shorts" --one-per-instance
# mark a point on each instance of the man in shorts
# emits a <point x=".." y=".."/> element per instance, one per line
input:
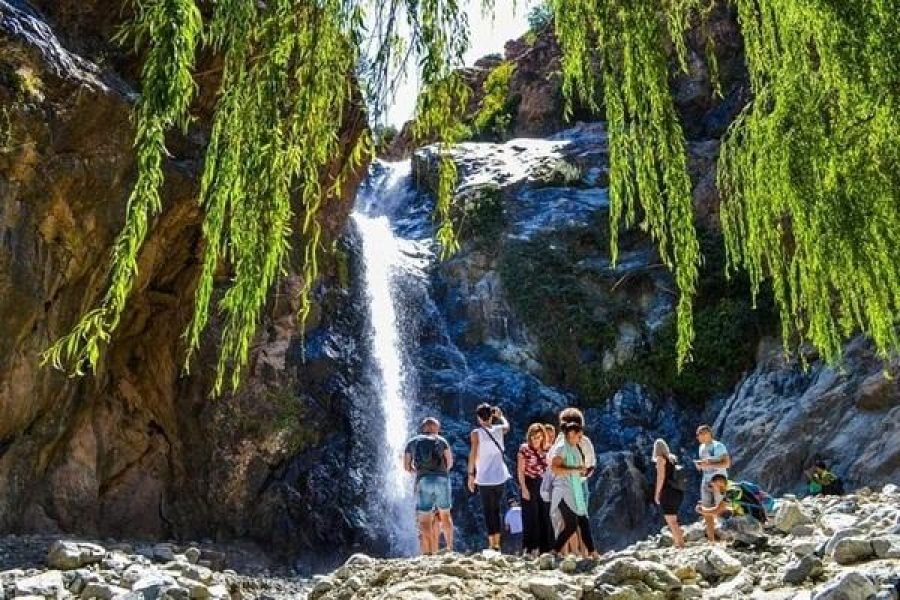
<point x="429" y="458"/>
<point x="714" y="460"/>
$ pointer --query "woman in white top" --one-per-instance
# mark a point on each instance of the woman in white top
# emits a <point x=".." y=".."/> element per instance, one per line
<point x="487" y="467"/>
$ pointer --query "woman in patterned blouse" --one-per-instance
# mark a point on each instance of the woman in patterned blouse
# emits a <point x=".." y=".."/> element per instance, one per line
<point x="530" y="467"/>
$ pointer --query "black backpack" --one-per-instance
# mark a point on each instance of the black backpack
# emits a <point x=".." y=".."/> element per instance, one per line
<point x="679" y="478"/>
<point x="428" y="455"/>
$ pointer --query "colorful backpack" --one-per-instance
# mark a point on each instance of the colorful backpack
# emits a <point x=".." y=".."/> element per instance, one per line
<point x="756" y="501"/>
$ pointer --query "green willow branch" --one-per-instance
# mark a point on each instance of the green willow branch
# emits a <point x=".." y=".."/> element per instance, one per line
<point x="174" y="26"/>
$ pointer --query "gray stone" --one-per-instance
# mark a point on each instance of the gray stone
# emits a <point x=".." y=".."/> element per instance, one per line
<point x="72" y="555"/>
<point x="832" y="523"/>
<point x="799" y="571"/>
<point x="718" y="563"/>
<point x="840" y="535"/>
<point x="545" y="562"/>
<point x="115" y="561"/>
<point x="176" y="593"/>
<point x="456" y="569"/>
<point x="323" y="586"/>
<point x="852" y="550"/>
<point x="192" y="554"/>
<point x="47" y="584"/>
<point x="163" y="552"/>
<point x="887" y="593"/>
<point x="849" y="586"/>
<point x="623" y="570"/>
<point x="545" y="587"/>
<point x="887" y="546"/>
<point x="152" y="585"/>
<point x="197" y="573"/>
<point x="101" y="591"/>
<point x="359" y="560"/>
<point x="804" y="547"/>
<point x="219" y="592"/>
<point x="789" y="515"/>
<point x="803" y="531"/>
<point x="195" y="588"/>
<point x="691" y="591"/>
<point x="568" y="565"/>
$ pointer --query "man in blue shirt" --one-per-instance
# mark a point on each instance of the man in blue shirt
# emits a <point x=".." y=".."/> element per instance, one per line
<point x="714" y="460"/>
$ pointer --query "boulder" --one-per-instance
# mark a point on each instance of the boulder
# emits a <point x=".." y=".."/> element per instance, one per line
<point x="152" y="585"/>
<point x="624" y="570"/>
<point x="197" y="573"/>
<point x="192" y="554"/>
<point x="718" y="563"/>
<point x="163" y="552"/>
<point x="832" y="523"/>
<point x="194" y="588"/>
<point x="73" y="555"/>
<point x="840" y="535"/>
<point x="849" y="586"/>
<point x="887" y="546"/>
<point x="568" y="565"/>
<point x="803" y="531"/>
<point x="852" y="550"/>
<point x="102" y="591"/>
<point x="176" y="593"/>
<point x="546" y="587"/>
<point x="48" y="584"/>
<point x="219" y="592"/>
<point x="789" y="514"/>
<point x="799" y="571"/>
<point x="805" y="547"/>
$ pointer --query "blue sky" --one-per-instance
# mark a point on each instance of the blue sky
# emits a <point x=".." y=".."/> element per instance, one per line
<point x="488" y="35"/>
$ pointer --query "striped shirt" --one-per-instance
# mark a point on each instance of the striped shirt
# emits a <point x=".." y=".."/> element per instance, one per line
<point x="535" y="461"/>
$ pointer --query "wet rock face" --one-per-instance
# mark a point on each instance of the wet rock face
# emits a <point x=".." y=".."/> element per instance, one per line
<point x="137" y="449"/>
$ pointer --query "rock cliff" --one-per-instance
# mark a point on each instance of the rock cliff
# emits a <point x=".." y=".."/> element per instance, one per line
<point x="137" y="449"/>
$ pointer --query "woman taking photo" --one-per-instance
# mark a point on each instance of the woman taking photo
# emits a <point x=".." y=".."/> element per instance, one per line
<point x="487" y="468"/>
<point x="531" y="465"/>
<point x="666" y="495"/>
<point x="568" y="498"/>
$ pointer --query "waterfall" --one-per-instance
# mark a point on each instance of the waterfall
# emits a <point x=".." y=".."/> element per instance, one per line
<point x="386" y="260"/>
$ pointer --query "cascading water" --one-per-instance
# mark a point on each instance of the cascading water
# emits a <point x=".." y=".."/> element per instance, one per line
<point x="386" y="258"/>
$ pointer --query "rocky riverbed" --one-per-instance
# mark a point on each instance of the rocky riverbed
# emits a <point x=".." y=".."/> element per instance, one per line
<point x="824" y="548"/>
<point x="819" y="548"/>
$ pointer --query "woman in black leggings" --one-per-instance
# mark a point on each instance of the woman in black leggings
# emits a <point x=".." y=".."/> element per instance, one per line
<point x="531" y="466"/>
<point x="568" y="503"/>
<point x="487" y="468"/>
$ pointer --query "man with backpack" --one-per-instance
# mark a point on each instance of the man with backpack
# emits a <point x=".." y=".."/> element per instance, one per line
<point x="429" y="458"/>
<point x="743" y="507"/>
<point x="714" y="460"/>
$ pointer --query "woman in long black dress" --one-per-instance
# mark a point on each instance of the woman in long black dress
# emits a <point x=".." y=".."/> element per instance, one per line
<point x="666" y="496"/>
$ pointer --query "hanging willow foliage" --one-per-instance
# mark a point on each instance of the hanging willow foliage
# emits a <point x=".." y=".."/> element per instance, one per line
<point x="809" y="172"/>
<point x="287" y="81"/>
<point x="648" y="163"/>
<point x="171" y="30"/>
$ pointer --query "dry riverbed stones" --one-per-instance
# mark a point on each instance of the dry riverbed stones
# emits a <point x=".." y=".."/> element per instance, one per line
<point x="819" y="549"/>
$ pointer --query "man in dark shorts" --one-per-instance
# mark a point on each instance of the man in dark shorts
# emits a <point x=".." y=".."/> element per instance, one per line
<point x="429" y="458"/>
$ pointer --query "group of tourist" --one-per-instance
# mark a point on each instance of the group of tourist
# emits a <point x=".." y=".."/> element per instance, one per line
<point x="552" y="472"/>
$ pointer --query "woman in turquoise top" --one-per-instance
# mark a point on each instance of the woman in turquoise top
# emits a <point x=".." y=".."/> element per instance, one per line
<point x="568" y="497"/>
